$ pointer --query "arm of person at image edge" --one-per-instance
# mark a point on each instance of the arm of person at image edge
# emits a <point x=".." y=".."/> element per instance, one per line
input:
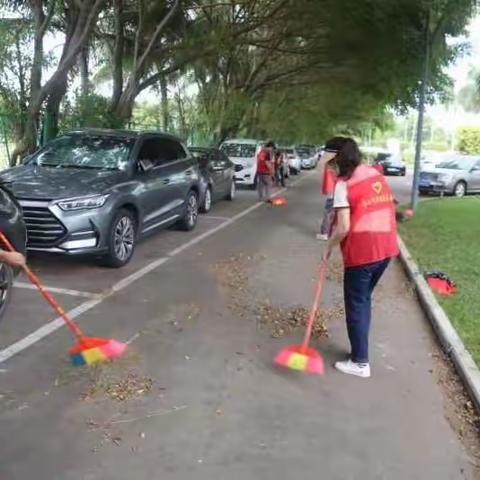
<point x="341" y="225"/>
<point x="13" y="259"/>
<point x="327" y="174"/>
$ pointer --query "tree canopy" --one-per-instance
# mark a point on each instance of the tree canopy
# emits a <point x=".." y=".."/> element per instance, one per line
<point x="290" y="69"/>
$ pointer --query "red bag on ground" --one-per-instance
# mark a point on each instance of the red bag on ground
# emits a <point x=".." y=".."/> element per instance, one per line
<point x="440" y="283"/>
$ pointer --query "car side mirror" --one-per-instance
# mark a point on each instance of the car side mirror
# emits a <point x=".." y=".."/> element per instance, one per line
<point x="145" y="165"/>
<point x="475" y="169"/>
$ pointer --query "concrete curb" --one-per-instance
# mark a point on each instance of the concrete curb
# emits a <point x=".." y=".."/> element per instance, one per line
<point x="449" y="339"/>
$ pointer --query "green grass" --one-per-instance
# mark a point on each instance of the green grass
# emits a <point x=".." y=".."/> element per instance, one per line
<point x="444" y="235"/>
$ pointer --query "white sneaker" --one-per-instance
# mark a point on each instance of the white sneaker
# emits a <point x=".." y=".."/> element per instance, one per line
<point x="323" y="237"/>
<point x="352" y="368"/>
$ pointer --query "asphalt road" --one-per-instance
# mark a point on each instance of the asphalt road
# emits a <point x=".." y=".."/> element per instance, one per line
<point x="206" y="402"/>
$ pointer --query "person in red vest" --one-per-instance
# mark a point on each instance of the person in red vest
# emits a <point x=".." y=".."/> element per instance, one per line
<point x="365" y="228"/>
<point x="265" y="171"/>
<point x="328" y="178"/>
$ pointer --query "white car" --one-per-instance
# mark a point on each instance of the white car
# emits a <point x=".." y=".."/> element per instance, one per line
<point x="308" y="157"/>
<point x="243" y="153"/>
<point x="294" y="161"/>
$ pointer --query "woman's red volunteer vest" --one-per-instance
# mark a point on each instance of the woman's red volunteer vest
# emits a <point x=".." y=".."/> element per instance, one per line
<point x="262" y="159"/>
<point x="373" y="230"/>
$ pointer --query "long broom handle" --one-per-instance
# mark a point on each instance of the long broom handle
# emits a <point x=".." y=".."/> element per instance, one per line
<point x="47" y="295"/>
<point x="314" y="309"/>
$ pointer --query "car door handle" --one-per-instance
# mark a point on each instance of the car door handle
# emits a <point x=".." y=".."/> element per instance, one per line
<point x="166" y="181"/>
<point x="189" y="173"/>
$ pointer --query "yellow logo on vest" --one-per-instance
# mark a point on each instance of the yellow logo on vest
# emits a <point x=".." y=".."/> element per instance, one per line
<point x="377" y="187"/>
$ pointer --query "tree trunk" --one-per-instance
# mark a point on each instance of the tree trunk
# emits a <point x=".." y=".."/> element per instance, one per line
<point x="28" y="141"/>
<point x="84" y="73"/>
<point x="164" y="104"/>
<point x="118" y="49"/>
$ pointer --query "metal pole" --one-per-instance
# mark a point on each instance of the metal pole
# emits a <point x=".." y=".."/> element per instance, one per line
<point x="421" y="112"/>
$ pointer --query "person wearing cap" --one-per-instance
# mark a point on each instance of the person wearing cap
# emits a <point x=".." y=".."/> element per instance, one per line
<point x="365" y="228"/>
<point x="328" y="178"/>
<point x="265" y="171"/>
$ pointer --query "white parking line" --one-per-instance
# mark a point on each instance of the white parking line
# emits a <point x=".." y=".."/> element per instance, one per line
<point x="84" y="307"/>
<point x="61" y="291"/>
<point x="214" y="217"/>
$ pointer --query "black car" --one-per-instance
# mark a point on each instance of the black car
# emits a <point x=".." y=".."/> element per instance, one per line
<point x="392" y="164"/>
<point x="98" y="191"/>
<point x="218" y="176"/>
<point x="13" y="227"/>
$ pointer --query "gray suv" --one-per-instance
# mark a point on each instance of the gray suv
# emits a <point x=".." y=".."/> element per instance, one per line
<point x="99" y="191"/>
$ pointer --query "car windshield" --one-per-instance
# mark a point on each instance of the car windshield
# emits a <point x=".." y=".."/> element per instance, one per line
<point x="239" y="150"/>
<point x="304" y="153"/>
<point x="85" y="151"/>
<point x="457" y="164"/>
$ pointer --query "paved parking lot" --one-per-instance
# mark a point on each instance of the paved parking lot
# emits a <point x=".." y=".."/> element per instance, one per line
<point x="217" y="407"/>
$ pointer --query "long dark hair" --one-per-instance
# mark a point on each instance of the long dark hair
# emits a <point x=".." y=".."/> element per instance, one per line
<point x="348" y="158"/>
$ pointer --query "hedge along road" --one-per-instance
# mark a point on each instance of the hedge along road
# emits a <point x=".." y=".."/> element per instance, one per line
<point x="217" y="408"/>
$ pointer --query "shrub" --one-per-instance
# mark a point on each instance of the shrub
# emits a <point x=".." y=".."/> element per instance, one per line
<point x="469" y="140"/>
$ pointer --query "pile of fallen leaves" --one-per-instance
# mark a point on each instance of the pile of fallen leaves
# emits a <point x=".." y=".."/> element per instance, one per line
<point x="281" y="321"/>
<point x="232" y="274"/>
<point x="118" y="387"/>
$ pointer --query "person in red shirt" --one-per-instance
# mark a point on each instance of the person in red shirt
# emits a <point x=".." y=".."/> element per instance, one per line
<point x="328" y="178"/>
<point x="365" y="228"/>
<point x="265" y="171"/>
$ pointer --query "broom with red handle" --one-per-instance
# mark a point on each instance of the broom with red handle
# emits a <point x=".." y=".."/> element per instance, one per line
<point x="88" y="349"/>
<point x="302" y="357"/>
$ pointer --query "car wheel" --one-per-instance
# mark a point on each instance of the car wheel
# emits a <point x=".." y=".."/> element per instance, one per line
<point x="233" y="191"/>
<point x="190" y="214"/>
<point x="460" y="189"/>
<point x="122" y="239"/>
<point x="207" y="201"/>
<point x="6" y="281"/>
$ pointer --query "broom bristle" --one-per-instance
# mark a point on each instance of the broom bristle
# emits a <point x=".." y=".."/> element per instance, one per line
<point x="296" y="358"/>
<point x="93" y="350"/>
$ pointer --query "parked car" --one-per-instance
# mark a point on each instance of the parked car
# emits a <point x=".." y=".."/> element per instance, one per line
<point x="217" y="176"/>
<point x="243" y="153"/>
<point x="294" y="161"/>
<point x="456" y="176"/>
<point x="392" y="164"/>
<point x="308" y="157"/>
<point x="13" y="227"/>
<point x="98" y="191"/>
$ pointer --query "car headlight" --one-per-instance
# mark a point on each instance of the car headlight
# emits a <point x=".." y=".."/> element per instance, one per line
<point x="445" y="177"/>
<point x="83" y="203"/>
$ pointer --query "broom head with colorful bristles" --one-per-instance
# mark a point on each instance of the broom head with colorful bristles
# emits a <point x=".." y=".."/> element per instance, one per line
<point x="89" y="350"/>
<point x="296" y="357"/>
<point x="279" y="201"/>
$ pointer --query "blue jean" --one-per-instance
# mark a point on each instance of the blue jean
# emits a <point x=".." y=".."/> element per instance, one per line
<point x="358" y="285"/>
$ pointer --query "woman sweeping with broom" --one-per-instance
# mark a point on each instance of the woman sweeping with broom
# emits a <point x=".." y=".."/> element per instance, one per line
<point x="366" y="231"/>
